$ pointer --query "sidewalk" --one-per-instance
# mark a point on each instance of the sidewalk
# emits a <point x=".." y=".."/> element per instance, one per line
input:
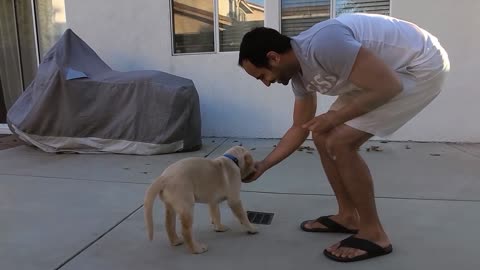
<point x="85" y="212"/>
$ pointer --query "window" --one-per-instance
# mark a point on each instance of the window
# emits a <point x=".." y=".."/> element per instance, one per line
<point x="29" y="28"/>
<point x="299" y="15"/>
<point x="193" y="22"/>
<point x="51" y="23"/>
<point x="208" y="26"/>
<point x="235" y="18"/>
<point x="367" y="6"/>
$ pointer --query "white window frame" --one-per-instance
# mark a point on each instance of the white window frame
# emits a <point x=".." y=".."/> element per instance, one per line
<point x="35" y="31"/>
<point x="4" y="130"/>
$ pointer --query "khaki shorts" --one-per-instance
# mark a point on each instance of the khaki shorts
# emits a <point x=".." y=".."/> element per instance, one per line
<point x="421" y="84"/>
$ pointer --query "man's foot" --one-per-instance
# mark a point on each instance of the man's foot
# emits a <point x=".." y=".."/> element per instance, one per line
<point x="341" y="224"/>
<point x="362" y="246"/>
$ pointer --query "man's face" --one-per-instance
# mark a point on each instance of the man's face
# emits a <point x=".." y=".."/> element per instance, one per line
<point x="279" y="71"/>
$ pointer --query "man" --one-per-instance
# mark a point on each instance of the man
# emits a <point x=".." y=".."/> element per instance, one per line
<point x="384" y="72"/>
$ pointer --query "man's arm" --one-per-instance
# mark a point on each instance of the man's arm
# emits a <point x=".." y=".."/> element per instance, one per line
<point x="304" y="110"/>
<point x="378" y="80"/>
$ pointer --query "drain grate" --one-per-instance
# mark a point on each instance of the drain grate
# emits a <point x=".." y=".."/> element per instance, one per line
<point x="260" y="217"/>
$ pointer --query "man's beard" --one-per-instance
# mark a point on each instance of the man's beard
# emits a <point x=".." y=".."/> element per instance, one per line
<point x="285" y="78"/>
<point x="286" y="75"/>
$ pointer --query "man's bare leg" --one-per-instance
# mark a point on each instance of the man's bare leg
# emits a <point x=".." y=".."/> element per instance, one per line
<point x="342" y="145"/>
<point x="347" y="215"/>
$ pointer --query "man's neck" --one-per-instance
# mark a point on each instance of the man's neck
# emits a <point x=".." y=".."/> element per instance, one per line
<point x="291" y="58"/>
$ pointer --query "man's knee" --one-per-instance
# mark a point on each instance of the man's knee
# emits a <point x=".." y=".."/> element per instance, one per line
<point x="320" y="139"/>
<point x="336" y="145"/>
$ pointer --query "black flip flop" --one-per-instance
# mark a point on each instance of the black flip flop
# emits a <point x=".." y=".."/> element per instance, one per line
<point x="372" y="249"/>
<point x="331" y="226"/>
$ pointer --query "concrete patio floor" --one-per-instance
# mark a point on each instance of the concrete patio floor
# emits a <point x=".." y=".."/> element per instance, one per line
<point x="78" y="212"/>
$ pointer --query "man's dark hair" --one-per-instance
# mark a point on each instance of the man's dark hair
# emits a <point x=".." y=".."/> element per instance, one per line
<point x="258" y="42"/>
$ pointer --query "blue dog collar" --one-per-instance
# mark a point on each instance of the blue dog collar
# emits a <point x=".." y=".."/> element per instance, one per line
<point x="232" y="158"/>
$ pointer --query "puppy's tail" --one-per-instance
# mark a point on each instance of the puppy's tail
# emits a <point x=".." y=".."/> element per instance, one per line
<point x="153" y="190"/>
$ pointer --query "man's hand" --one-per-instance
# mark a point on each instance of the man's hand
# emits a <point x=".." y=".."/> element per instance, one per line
<point x="260" y="168"/>
<point x="303" y="110"/>
<point x="322" y="123"/>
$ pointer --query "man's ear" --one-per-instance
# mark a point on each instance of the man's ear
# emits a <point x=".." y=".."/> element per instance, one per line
<point x="273" y="58"/>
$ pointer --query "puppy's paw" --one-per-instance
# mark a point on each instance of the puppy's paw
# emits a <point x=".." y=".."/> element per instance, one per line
<point x="176" y="242"/>
<point x="199" y="248"/>
<point x="252" y="230"/>
<point x="221" y="228"/>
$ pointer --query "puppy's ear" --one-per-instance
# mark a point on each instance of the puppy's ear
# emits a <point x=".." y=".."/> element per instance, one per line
<point x="248" y="160"/>
<point x="248" y="165"/>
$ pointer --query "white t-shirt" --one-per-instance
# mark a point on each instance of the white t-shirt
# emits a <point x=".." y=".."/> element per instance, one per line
<point x="327" y="51"/>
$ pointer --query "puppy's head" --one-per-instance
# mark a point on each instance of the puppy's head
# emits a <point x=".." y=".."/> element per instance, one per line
<point x="245" y="160"/>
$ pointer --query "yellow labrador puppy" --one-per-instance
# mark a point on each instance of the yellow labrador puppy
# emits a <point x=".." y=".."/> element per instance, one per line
<point x="200" y="180"/>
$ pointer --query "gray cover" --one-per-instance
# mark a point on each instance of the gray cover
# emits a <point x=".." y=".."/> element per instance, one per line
<point x="77" y="103"/>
